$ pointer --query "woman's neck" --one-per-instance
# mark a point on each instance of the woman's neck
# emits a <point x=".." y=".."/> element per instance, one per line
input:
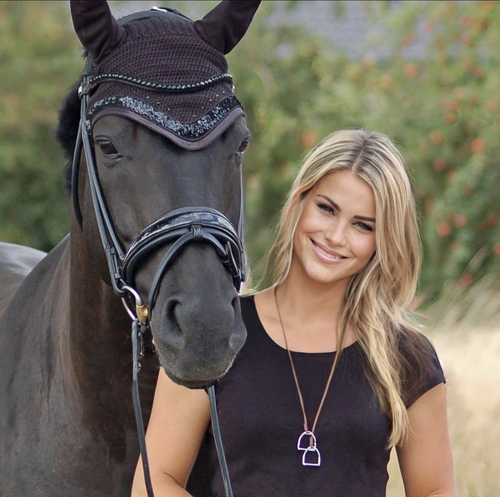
<point x="312" y="304"/>
<point x="311" y="315"/>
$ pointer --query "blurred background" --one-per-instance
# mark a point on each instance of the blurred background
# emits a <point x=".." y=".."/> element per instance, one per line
<point x="425" y="73"/>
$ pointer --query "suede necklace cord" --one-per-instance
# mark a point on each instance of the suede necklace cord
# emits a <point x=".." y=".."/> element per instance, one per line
<point x="306" y="442"/>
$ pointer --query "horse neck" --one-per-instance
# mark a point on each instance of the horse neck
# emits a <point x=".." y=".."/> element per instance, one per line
<point x="100" y="328"/>
<point x="101" y="351"/>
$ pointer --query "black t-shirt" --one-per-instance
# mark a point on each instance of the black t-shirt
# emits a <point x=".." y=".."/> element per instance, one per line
<point x="261" y="420"/>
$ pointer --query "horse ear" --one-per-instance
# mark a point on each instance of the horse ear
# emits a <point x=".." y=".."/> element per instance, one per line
<point x="96" y="27"/>
<point x="226" y="24"/>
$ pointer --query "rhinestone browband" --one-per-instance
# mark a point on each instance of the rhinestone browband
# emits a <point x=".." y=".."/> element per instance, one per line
<point x="120" y="78"/>
<point x="189" y="131"/>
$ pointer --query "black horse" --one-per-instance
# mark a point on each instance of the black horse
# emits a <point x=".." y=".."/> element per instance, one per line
<point x="156" y="190"/>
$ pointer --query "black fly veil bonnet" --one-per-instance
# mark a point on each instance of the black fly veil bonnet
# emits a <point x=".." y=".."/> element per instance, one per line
<point x="163" y="70"/>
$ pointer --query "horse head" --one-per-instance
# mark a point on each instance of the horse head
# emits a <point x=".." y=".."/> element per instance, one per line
<point x="157" y="176"/>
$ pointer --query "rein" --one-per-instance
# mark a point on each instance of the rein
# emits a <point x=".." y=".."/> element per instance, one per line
<point x="179" y="227"/>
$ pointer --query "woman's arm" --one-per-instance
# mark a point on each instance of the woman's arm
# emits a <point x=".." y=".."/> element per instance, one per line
<point x="178" y="423"/>
<point x="425" y="458"/>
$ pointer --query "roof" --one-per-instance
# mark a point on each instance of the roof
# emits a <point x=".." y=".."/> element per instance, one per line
<point x="347" y="24"/>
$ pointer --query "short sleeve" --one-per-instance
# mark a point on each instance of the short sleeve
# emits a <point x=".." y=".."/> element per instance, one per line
<point x="426" y="367"/>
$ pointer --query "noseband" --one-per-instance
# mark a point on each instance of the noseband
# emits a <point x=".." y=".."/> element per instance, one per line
<point x="183" y="226"/>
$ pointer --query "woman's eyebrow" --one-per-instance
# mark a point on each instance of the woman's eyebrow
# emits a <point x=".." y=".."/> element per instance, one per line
<point x="330" y="201"/>
<point x="337" y="207"/>
<point x="364" y="218"/>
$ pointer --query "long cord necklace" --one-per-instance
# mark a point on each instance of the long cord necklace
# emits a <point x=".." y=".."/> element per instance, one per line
<point x="306" y="443"/>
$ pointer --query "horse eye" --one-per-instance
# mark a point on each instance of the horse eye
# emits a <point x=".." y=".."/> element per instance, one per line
<point x="241" y="149"/>
<point x="106" y="147"/>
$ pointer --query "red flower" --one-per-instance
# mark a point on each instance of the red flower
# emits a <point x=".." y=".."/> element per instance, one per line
<point x="465" y="21"/>
<point x="436" y="137"/>
<point x="439" y="164"/>
<point x="466" y="280"/>
<point x="449" y="118"/>
<point x="460" y="221"/>
<point x="459" y="92"/>
<point x="411" y="70"/>
<point x="477" y="145"/>
<point x="308" y="139"/>
<point x="467" y="190"/>
<point x="443" y="229"/>
<point x="492" y="105"/>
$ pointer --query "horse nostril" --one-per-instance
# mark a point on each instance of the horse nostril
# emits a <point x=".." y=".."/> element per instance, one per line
<point x="175" y="339"/>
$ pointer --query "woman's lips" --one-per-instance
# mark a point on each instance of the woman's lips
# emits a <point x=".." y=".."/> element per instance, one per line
<point x="325" y="254"/>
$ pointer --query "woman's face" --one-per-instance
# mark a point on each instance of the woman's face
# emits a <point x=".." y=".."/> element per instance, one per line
<point x="335" y="235"/>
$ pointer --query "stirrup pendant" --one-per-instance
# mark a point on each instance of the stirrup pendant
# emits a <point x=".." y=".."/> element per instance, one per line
<point x="311" y="455"/>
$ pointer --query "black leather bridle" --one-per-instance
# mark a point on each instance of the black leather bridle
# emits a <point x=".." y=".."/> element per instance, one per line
<point x="181" y="226"/>
<point x="178" y="228"/>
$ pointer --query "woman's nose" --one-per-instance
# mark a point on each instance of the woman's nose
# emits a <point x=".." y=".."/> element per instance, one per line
<point x="336" y="234"/>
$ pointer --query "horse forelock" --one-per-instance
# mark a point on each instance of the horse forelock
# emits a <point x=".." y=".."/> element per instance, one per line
<point x="67" y="129"/>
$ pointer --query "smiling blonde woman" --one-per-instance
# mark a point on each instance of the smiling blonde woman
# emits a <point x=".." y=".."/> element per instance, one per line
<point x="333" y="374"/>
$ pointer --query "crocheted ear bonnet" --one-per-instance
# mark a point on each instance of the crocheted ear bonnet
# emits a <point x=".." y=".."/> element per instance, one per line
<point x="163" y="70"/>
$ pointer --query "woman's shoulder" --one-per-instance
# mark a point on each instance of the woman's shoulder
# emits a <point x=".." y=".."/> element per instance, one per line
<point x="250" y="314"/>
<point x="247" y="303"/>
<point x="255" y="306"/>
<point x="420" y="367"/>
<point x="417" y="347"/>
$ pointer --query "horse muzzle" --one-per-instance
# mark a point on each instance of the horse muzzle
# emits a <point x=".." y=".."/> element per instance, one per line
<point x="197" y="339"/>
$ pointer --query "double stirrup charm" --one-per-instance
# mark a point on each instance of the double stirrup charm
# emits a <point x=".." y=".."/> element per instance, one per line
<point x="307" y="444"/>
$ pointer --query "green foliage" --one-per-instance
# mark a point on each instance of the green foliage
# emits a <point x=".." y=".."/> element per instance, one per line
<point x="39" y="59"/>
<point x="442" y="109"/>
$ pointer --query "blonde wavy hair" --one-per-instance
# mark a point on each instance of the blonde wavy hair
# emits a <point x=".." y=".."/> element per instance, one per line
<point x="378" y="296"/>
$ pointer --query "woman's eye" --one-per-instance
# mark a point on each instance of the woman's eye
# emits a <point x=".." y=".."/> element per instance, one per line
<point x="326" y="208"/>
<point x="241" y="149"/>
<point x="363" y="226"/>
<point x="106" y="147"/>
